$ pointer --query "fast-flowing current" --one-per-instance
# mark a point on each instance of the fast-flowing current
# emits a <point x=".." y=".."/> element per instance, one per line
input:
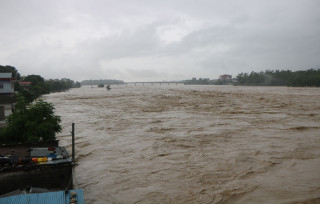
<point x="193" y="144"/>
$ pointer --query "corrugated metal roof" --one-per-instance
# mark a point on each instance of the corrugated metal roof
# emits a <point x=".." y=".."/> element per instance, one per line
<point x="58" y="197"/>
<point x="52" y="197"/>
<point x="25" y="83"/>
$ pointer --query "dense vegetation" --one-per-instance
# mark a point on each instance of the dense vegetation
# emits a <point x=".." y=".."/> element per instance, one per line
<point x="31" y="120"/>
<point x="200" y="81"/>
<point x="309" y="77"/>
<point x="30" y="123"/>
<point x="39" y="86"/>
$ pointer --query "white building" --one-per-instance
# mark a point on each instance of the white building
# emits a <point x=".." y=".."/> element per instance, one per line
<point x="225" y="77"/>
<point x="6" y="83"/>
<point x="7" y="96"/>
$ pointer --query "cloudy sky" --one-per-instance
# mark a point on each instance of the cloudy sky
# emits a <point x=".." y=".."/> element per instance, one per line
<point x="155" y="40"/>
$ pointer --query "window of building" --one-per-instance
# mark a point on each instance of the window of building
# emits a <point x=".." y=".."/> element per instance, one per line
<point x="1" y="86"/>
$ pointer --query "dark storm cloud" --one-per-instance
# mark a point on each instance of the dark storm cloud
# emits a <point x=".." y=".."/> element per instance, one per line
<point x="158" y="40"/>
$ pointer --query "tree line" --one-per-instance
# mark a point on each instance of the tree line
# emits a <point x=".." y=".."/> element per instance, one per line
<point x="200" y="81"/>
<point x="39" y="86"/>
<point x="310" y="77"/>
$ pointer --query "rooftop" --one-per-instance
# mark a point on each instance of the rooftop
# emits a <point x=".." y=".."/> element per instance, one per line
<point x="57" y="197"/>
<point x="5" y="75"/>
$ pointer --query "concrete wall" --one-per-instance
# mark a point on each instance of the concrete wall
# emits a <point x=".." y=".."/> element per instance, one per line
<point x="50" y="177"/>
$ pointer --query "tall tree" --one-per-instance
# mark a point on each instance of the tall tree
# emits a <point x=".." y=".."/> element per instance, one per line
<point x="10" y="69"/>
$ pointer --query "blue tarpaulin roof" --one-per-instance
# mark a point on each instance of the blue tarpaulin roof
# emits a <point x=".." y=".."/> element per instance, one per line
<point x="58" y="197"/>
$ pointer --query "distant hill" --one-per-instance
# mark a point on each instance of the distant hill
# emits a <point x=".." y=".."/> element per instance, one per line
<point x="101" y="81"/>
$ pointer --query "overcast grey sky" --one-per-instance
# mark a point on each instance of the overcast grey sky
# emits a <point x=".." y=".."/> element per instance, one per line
<point x="152" y="40"/>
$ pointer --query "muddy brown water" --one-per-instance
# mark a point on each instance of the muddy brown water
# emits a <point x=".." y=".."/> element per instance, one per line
<point x="194" y="144"/>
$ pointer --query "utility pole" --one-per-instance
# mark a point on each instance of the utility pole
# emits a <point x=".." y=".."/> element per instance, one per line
<point x="73" y="144"/>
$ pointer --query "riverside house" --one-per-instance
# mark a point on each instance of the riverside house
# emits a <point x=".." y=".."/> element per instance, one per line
<point x="225" y="77"/>
<point x="7" y="95"/>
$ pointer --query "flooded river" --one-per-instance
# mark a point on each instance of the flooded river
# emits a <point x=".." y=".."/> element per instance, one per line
<point x="194" y="144"/>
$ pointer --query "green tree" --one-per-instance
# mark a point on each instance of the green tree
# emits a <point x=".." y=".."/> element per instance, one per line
<point x="10" y="69"/>
<point x="34" y="79"/>
<point x="76" y="85"/>
<point x="30" y="123"/>
<point x="38" y="87"/>
<point x="310" y="77"/>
